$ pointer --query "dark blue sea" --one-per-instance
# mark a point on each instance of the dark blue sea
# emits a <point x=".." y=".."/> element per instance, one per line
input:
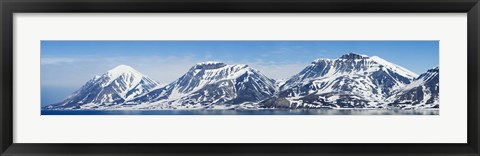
<point x="244" y="112"/>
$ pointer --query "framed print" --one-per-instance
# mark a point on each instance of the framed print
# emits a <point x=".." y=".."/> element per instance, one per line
<point x="350" y="84"/>
<point x="244" y="77"/>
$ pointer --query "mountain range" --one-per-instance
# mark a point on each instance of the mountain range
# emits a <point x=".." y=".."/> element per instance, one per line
<point x="352" y="81"/>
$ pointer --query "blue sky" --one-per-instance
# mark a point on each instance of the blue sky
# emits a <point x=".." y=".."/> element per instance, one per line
<point x="66" y="65"/>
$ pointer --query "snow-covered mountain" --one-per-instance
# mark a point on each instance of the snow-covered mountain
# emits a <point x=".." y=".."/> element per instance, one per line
<point x="351" y="81"/>
<point x="208" y="84"/>
<point x="422" y="92"/>
<point x="114" y="87"/>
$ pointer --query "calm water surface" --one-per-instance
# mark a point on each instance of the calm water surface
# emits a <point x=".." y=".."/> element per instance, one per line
<point x="243" y="112"/>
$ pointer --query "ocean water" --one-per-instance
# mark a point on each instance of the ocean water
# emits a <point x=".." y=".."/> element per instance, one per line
<point x="244" y="112"/>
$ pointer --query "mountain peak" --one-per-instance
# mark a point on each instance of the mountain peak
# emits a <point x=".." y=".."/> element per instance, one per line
<point x="352" y="56"/>
<point x="434" y="69"/>
<point x="122" y="69"/>
<point x="320" y="60"/>
<point x="209" y="65"/>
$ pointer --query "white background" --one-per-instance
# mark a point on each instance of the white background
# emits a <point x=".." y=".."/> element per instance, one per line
<point x="448" y="127"/>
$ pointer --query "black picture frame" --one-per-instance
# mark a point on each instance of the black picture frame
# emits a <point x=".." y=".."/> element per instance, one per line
<point x="8" y="7"/>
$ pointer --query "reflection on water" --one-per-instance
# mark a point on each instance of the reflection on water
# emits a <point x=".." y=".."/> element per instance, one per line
<point x="244" y="112"/>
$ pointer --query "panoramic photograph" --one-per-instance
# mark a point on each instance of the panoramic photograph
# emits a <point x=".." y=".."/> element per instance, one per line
<point x="239" y="77"/>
